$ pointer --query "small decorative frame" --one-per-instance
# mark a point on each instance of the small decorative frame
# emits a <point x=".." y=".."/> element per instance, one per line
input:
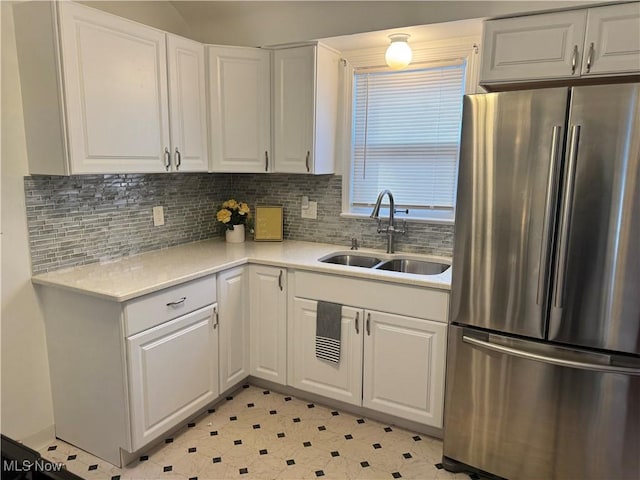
<point x="269" y="224"/>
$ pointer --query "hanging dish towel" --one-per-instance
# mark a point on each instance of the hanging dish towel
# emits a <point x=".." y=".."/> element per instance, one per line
<point x="328" y="326"/>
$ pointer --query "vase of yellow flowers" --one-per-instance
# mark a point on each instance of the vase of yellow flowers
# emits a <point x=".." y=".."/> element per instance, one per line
<point x="234" y="216"/>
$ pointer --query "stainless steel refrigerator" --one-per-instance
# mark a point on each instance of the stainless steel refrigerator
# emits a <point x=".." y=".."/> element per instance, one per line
<point x="543" y="361"/>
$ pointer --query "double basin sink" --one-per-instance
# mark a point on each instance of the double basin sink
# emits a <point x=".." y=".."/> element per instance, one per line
<point x="399" y="264"/>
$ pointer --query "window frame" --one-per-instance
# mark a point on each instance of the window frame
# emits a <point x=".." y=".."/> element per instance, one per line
<point x="463" y="49"/>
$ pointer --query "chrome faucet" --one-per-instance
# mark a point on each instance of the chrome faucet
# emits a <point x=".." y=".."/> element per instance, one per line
<point x="390" y="228"/>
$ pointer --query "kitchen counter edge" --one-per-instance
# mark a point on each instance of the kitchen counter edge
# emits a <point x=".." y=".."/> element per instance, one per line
<point x="132" y="277"/>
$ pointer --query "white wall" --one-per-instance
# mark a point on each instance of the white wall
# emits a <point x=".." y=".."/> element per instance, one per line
<point x="158" y="14"/>
<point x="26" y="406"/>
<point x="269" y="23"/>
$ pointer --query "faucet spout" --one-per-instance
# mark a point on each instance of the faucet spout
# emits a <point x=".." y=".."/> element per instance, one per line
<point x="391" y="228"/>
<point x="376" y="208"/>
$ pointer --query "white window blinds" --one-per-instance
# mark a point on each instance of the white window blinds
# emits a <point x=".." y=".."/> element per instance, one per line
<point x="406" y="136"/>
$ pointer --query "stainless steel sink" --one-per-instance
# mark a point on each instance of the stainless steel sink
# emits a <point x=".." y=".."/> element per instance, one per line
<point x="419" y="267"/>
<point x="352" y="260"/>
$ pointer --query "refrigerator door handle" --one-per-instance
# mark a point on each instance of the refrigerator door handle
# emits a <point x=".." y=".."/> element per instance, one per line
<point x="551" y="360"/>
<point x="549" y="214"/>
<point x="561" y="263"/>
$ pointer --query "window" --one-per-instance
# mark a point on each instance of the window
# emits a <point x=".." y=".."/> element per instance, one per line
<point x="406" y="138"/>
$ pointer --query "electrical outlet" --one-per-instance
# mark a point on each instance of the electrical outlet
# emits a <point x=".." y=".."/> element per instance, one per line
<point x="311" y="211"/>
<point x="158" y="216"/>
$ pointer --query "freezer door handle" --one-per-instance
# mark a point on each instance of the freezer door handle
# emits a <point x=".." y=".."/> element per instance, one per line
<point x="549" y="214"/>
<point x="551" y="360"/>
<point x="561" y="264"/>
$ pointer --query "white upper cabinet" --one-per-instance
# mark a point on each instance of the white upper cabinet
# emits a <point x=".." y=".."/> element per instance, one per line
<point x="305" y="109"/>
<point x="533" y="47"/>
<point x="188" y="108"/>
<point x="563" y="45"/>
<point x="240" y="105"/>
<point x="111" y="98"/>
<point x="612" y="41"/>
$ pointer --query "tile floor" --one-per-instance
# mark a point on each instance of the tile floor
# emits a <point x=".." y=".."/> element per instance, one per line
<point x="259" y="434"/>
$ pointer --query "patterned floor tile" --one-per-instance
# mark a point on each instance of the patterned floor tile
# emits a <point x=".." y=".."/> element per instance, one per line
<point x="261" y="434"/>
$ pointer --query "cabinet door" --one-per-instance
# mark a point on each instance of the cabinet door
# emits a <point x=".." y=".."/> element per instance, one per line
<point x="240" y="95"/>
<point x="115" y="78"/>
<point x="173" y="372"/>
<point x="533" y="47"/>
<point x="233" y="302"/>
<point x="268" y="323"/>
<point x="294" y="104"/>
<point x="340" y="382"/>
<point x="612" y="42"/>
<point x="185" y="61"/>
<point x="404" y="363"/>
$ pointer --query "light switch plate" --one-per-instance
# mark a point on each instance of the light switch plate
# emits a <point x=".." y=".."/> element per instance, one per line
<point x="158" y="216"/>
<point x="311" y="212"/>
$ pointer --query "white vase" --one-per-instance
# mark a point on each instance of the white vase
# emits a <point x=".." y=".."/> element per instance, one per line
<point x="236" y="235"/>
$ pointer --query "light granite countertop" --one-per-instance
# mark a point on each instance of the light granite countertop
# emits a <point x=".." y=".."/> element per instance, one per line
<point x="138" y="275"/>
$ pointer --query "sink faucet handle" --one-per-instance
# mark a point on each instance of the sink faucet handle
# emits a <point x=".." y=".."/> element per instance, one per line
<point x="354" y="243"/>
<point x="402" y="210"/>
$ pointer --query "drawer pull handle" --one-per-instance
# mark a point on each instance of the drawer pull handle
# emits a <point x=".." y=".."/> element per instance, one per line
<point x="177" y="302"/>
<point x="280" y="280"/>
<point x="215" y="314"/>
<point x="357" y="322"/>
<point x="368" y="324"/>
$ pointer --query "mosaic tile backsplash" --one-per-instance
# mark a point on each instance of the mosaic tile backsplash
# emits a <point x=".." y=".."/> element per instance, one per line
<point x="83" y="219"/>
<point x="329" y="227"/>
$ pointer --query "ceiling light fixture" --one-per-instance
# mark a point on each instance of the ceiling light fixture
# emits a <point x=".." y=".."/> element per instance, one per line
<point x="398" y="53"/>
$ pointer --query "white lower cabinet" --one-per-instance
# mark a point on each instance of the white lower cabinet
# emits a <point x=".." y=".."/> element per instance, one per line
<point x="233" y="295"/>
<point x="404" y="361"/>
<point x="390" y="363"/>
<point x="173" y="372"/>
<point x="268" y="325"/>
<point x="340" y="382"/>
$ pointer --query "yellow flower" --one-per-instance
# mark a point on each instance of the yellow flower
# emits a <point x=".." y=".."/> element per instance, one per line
<point x="224" y="215"/>
<point x="243" y="208"/>
<point x="231" y="204"/>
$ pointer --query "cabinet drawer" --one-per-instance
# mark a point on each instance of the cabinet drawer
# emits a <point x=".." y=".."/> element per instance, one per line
<point x="419" y="302"/>
<point x="156" y="308"/>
